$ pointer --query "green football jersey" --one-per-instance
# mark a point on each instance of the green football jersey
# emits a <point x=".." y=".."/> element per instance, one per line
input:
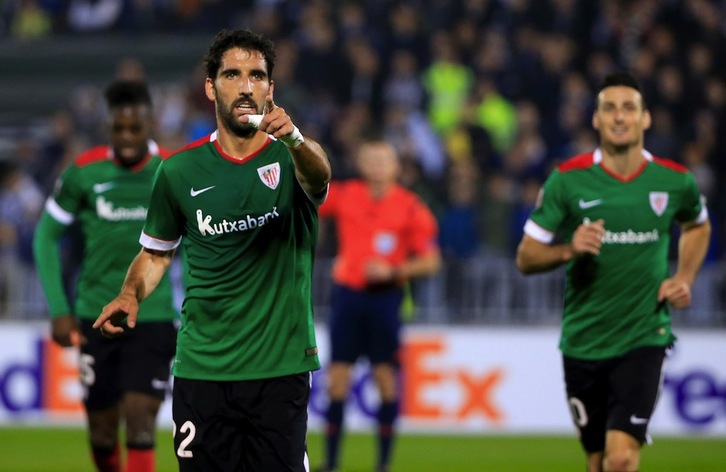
<point x="249" y="232"/>
<point x="110" y="203"/>
<point x="611" y="304"/>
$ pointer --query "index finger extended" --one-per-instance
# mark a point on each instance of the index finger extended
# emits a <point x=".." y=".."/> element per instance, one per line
<point x="103" y="317"/>
<point x="114" y="313"/>
<point x="269" y="103"/>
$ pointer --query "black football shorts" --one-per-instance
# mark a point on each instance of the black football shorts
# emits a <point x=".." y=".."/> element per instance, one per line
<point x="139" y="360"/>
<point x="251" y="425"/>
<point x="614" y="394"/>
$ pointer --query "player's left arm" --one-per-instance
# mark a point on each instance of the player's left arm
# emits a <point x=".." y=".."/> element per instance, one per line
<point x="312" y="167"/>
<point x="692" y="248"/>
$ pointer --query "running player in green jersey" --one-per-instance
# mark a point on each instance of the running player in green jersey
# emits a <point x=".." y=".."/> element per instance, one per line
<point x="243" y="201"/>
<point x="614" y="210"/>
<point x="107" y="190"/>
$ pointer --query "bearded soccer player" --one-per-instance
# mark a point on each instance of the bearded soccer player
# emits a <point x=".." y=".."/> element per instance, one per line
<point x="614" y="209"/>
<point x="386" y="236"/>
<point x="107" y="190"/>
<point x="243" y="201"/>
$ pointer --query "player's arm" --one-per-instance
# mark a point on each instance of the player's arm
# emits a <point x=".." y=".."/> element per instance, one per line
<point x="46" y="252"/>
<point x="425" y="258"/>
<point x="381" y="271"/>
<point x="312" y="167"/>
<point x="535" y="254"/>
<point x="419" y="266"/>
<point x="142" y="277"/>
<point x="692" y="248"/>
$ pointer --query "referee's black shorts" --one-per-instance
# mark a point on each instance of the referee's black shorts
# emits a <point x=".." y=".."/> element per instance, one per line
<point x="614" y="394"/>
<point x="252" y="425"/>
<point x="365" y="323"/>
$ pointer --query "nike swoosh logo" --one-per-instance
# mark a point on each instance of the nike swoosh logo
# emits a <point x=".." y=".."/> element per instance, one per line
<point x="585" y="205"/>
<point x="100" y="188"/>
<point x="194" y="193"/>
<point x="638" y="420"/>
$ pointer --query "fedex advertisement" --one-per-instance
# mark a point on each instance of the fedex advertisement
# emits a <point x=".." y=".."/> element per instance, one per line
<point x="483" y="380"/>
<point x="38" y="379"/>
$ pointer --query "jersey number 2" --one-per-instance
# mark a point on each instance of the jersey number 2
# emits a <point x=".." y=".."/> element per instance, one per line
<point x="187" y="427"/>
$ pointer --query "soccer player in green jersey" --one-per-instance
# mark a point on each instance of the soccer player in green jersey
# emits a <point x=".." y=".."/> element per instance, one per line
<point x="614" y="209"/>
<point x="107" y="190"/>
<point x="243" y="202"/>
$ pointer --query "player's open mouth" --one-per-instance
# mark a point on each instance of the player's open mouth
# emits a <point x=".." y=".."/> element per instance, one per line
<point x="128" y="152"/>
<point x="246" y="107"/>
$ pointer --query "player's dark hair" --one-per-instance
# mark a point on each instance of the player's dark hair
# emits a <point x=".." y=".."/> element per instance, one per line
<point x="373" y="134"/>
<point x="623" y="79"/>
<point x="8" y="167"/>
<point x="127" y="92"/>
<point x="243" y="39"/>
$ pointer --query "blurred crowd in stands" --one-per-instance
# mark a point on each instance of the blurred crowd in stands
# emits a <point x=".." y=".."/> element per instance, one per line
<point x="481" y="97"/>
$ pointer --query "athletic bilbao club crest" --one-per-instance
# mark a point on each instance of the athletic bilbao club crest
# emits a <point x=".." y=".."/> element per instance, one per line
<point x="270" y="175"/>
<point x="658" y="202"/>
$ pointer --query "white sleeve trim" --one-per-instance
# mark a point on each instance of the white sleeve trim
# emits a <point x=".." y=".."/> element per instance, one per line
<point x="703" y="216"/>
<point x="58" y="213"/>
<point x="158" y="244"/>
<point x="537" y="232"/>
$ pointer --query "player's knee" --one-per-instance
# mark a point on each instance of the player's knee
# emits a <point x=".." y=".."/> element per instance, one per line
<point x="338" y="391"/>
<point x="338" y="382"/>
<point x="103" y="439"/>
<point x="621" y="460"/>
<point x="140" y="427"/>
<point x="142" y="438"/>
<point x="103" y="431"/>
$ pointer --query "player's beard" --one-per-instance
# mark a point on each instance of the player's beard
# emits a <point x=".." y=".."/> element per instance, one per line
<point x="131" y="161"/>
<point x="623" y="148"/>
<point x="228" y="117"/>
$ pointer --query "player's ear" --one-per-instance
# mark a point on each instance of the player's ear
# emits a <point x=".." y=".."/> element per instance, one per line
<point x="152" y="125"/>
<point x="595" y="121"/>
<point x="647" y="120"/>
<point x="209" y="89"/>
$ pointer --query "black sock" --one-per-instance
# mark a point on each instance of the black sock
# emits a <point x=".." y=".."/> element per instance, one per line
<point x="387" y="414"/>
<point x="333" y="431"/>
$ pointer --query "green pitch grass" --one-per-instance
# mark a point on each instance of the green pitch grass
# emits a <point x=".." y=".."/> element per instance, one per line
<point x="64" y="450"/>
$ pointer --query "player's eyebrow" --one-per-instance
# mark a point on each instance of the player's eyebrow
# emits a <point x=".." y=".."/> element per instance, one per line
<point x="230" y="70"/>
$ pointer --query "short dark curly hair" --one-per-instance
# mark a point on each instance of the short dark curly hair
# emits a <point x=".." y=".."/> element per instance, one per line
<point x="243" y="39"/>
<point x="624" y="79"/>
<point x="127" y="93"/>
